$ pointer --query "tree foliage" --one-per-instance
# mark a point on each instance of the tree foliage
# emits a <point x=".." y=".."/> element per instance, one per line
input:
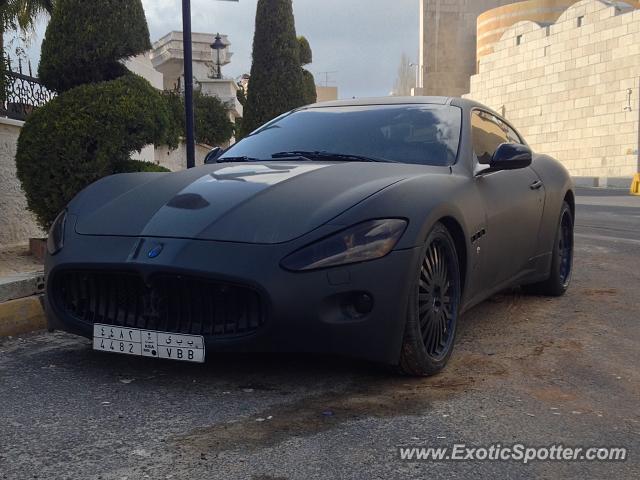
<point x="276" y="75"/>
<point x="22" y="13"/>
<point x="86" y="41"/>
<point x="310" y="92"/>
<point x="309" y="83"/>
<point x="102" y="114"/>
<point x="131" y="166"/>
<point x="83" y="135"/>
<point x="213" y="126"/>
<point x="306" y="55"/>
<point x="18" y="14"/>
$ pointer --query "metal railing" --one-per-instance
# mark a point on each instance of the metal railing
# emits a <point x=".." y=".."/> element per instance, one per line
<point x="23" y="93"/>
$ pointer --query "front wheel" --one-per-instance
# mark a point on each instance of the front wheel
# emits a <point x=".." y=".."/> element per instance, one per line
<point x="432" y="312"/>
<point x="562" y="259"/>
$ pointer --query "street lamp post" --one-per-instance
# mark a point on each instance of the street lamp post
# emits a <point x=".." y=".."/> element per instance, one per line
<point x="217" y="46"/>
<point x="188" y="82"/>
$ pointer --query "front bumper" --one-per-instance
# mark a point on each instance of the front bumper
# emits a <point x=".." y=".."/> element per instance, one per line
<point x="303" y="312"/>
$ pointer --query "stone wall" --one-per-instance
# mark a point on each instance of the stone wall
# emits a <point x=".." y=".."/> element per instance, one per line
<point x="572" y="88"/>
<point x="17" y="225"/>
<point x="176" y="160"/>
<point x="493" y="23"/>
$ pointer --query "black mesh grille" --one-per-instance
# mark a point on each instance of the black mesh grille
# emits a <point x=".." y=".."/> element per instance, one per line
<point x="168" y="303"/>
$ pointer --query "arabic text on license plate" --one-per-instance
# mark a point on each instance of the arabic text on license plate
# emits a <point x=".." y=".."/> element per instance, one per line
<point x="148" y="343"/>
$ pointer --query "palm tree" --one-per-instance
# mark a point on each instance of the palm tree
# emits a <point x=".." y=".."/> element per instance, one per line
<point x="18" y="14"/>
<point x="22" y="13"/>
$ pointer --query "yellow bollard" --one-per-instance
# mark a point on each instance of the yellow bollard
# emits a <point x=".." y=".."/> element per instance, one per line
<point x="635" y="185"/>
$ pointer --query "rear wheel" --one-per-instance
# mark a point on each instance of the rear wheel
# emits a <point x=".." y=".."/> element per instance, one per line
<point x="562" y="260"/>
<point x="433" y="307"/>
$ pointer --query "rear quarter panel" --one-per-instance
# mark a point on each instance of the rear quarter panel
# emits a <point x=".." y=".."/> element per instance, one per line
<point x="557" y="183"/>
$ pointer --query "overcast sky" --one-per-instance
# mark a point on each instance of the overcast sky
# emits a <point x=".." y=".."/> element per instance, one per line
<point x="360" y="40"/>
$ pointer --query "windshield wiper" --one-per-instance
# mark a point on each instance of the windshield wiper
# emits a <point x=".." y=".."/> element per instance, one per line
<point x="323" y="155"/>
<point x="238" y="159"/>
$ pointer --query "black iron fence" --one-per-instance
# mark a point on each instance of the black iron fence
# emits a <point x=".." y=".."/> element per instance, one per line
<point x="23" y="93"/>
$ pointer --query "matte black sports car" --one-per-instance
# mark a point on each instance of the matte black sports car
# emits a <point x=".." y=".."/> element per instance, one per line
<point x="363" y="228"/>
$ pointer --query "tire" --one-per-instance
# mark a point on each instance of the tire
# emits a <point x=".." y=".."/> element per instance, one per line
<point x="433" y="307"/>
<point x="562" y="260"/>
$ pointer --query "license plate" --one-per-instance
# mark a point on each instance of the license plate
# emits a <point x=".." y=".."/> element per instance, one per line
<point x="148" y="343"/>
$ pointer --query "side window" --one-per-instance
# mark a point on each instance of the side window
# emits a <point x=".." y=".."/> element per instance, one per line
<point x="488" y="133"/>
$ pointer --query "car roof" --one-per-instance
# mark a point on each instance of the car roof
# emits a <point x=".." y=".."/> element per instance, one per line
<point x="381" y="101"/>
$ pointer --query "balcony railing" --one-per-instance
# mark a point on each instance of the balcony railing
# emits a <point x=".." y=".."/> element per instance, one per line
<point x="23" y="93"/>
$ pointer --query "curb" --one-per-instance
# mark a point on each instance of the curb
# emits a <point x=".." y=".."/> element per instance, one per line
<point x="21" y="285"/>
<point x="22" y="316"/>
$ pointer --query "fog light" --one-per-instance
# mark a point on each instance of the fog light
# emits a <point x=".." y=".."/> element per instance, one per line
<point x="363" y="303"/>
<point x="357" y="305"/>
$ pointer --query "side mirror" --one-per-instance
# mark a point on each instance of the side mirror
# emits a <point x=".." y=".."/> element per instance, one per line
<point x="213" y="156"/>
<point x="511" y="156"/>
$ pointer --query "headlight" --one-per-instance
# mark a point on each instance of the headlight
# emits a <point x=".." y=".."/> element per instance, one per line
<point x="365" y="241"/>
<point x="55" y="241"/>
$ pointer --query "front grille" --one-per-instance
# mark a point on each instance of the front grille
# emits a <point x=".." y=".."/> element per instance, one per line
<point x="166" y="302"/>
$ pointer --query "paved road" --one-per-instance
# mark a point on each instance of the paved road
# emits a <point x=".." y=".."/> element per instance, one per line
<point x="532" y="370"/>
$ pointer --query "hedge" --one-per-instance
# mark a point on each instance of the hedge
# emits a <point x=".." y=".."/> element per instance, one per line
<point x="82" y="135"/>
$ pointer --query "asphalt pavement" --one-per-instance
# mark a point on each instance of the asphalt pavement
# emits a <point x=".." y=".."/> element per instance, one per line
<point x="526" y="369"/>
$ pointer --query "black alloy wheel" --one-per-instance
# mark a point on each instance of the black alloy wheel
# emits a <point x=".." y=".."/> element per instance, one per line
<point x="565" y="247"/>
<point x="561" y="259"/>
<point x="433" y="307"/>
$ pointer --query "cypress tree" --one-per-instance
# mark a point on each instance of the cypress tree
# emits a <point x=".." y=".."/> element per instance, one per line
<point x="277" y="84"/>
<point x="306" y="55"/>
<point x="85" y="41"/>
<point x="309" y="83"/>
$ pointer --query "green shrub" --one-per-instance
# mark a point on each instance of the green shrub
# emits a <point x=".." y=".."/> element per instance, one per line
<point x="276" y="75"/>
<point x="85" y="41"/>
<point x="213" y="126"/>
<point x="82" y="135"/>
<point x="310" y="92"/>
<point x="131" y="166"/>
<point x="241" y="96"/>
<point x="306" y="55"/>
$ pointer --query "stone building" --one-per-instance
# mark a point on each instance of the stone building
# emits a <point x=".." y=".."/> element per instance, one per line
<point x="456" y="34"/>
<point x="167" y="58"/>
<point x="163" y="67"/>
<point x="572" y="88"/>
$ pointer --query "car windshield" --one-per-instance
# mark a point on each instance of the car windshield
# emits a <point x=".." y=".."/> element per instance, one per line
<point x="418" y="134"/>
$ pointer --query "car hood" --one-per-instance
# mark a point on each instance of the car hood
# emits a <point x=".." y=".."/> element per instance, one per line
<point x="251" y="203"/>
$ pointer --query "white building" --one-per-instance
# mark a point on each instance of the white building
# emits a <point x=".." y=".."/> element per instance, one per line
<point x="167" y="58"/>
<point x="163" y="67"/>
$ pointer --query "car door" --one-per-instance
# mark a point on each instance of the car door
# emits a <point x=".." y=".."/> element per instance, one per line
<point x="513" y="204"/>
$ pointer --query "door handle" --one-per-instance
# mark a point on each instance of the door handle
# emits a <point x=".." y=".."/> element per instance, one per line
<point x="537" y="185"/>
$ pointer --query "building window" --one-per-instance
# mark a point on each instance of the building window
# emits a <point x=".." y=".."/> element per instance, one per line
<point x="547" y="50"/>
<point x="580" y="21"/>
<point x="548" y="30"/>
<point x="519" y="40"/>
